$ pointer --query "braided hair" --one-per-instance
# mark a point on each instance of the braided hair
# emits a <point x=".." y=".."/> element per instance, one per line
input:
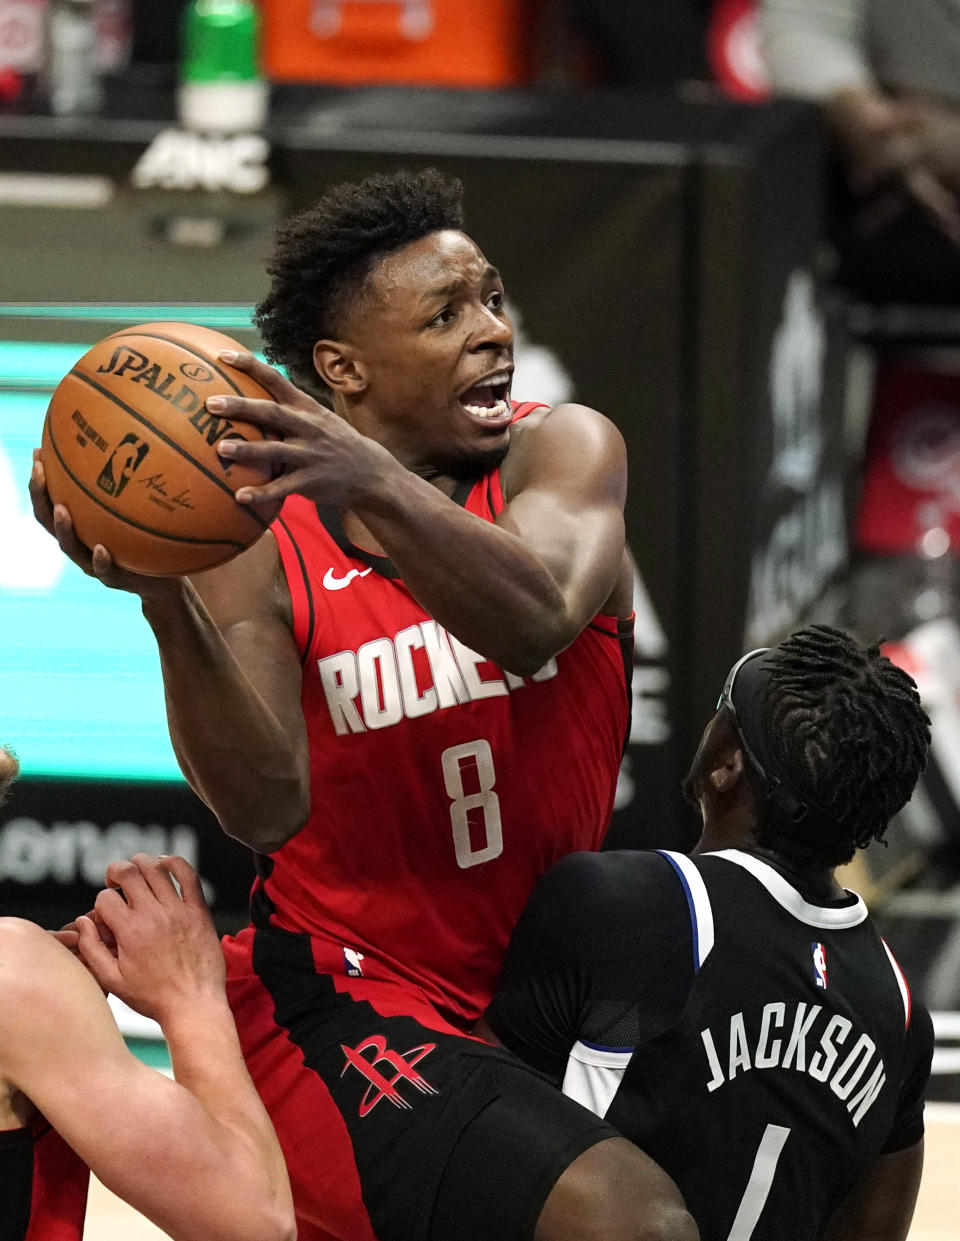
<point x="323" y="255"/>
<point x="848" y="726"/>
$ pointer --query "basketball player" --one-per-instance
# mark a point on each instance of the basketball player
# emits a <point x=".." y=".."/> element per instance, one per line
<point x="736" y="1013"/>
<point x="197" y="1155"/>
<point x="410" y="698"/>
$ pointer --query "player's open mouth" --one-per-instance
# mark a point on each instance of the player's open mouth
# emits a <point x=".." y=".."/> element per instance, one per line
<point x="489" y="400"/>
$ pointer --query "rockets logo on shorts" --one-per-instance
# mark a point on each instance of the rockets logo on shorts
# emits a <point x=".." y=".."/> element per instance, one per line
<point x="819" y="965"/>
<point x="382" y="1087"/>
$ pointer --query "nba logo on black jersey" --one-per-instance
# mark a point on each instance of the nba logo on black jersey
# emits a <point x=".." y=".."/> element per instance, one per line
<point x="819" y="965"/>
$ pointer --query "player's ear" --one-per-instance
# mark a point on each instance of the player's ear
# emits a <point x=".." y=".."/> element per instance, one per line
<point x="727" y="774"/>
<point x="340" y="367"/>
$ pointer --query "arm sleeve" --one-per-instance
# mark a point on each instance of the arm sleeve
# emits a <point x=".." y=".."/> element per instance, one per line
<point x="908" y="1123"/>
<point x="814" y="48"/>
<point x="586" y="955"/>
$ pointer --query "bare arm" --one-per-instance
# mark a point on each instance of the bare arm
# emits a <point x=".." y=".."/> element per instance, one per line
<point x="880" y="1206"/>
<point x="232" y="680"/>
<point x="198" y="1155"/>
<point x="231" y="675"/>
<point x="517" y="591"/>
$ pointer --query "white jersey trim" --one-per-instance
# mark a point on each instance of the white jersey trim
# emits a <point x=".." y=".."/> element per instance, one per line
<point x="786" y="894"/>
<point x="593" y="1075"/>
<point x="698" y="902"/>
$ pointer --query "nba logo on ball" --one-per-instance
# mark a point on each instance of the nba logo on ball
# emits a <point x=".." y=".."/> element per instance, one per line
<point x="819" y="965"/>
<point x="123" y="462"/>
<point x="130" y="449"/>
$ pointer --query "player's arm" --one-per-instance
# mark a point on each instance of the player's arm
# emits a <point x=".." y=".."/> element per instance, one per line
<point x="231" y="676"/>
<point x="232" y="680"/>
<point x="880" y="1206"/>
<point x="197" y="1155"/>
<point x="517" y="591"/>
<point x="521" y="589"/>
<point x="572" y="961"/>
<point x="550" y="971"/>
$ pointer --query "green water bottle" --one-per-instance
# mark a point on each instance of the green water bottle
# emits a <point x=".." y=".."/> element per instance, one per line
<point x="221" y="90"/>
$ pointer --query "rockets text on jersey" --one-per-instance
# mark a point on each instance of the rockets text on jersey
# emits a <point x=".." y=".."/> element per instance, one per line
<point x="377" y="686"/>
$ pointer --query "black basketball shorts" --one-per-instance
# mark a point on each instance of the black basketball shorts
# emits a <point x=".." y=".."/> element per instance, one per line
<point x="394" y="1126"/>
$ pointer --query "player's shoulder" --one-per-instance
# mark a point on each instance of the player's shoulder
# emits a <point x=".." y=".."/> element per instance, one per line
<point x="20" y="937"/>
<point x="35" y="969"/>
<point x="570" y="420"/>
<point x="566" y="440"/>
<point x="615" y="878"/>
<point x="22" y="940"/>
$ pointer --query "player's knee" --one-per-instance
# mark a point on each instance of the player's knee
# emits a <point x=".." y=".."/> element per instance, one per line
<point x="613" y="1192"/>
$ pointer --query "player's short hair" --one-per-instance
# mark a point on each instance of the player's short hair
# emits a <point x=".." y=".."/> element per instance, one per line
<point x="324" y="254"/>
<point x="845" y="728"/>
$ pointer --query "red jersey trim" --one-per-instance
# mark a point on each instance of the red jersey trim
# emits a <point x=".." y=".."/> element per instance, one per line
<point x="304" y="613"/>
<point x="522" y="408"/>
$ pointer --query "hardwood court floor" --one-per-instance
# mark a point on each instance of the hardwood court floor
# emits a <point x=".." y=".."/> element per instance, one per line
<point x="938" y="1208"/>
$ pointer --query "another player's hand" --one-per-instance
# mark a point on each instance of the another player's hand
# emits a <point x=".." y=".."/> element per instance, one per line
<point x="319" y="455"/>
<point x="96" y="562"/>
<point x="69" y="935"/>
<point x="167" y="952"/>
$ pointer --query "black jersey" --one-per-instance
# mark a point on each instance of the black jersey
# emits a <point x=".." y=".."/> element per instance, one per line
<point x="764" y="1050"/>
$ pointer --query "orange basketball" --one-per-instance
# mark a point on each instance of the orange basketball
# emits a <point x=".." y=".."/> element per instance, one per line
<point x="131" y="450"/>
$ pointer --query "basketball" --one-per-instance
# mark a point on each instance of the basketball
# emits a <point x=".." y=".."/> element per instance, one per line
<point x="131" y="450"/>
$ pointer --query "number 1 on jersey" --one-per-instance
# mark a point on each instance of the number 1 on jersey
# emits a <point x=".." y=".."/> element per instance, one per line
<point x="758" y="1187"/>
<point x="461" y="802"/>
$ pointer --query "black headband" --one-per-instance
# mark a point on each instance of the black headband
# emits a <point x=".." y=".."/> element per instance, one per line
<point x="748" y="694"/>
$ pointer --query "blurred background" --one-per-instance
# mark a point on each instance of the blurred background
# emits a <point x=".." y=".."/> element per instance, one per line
<point x="731" y="225"/>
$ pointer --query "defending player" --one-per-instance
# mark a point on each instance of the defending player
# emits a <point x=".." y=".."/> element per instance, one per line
<point x="737" y="1014"/>
<point x="197" y="1155"/>
<point x="425" y="662"/>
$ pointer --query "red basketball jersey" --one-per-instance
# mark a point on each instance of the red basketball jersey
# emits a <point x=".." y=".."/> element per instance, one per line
<point x="442" y="786"/>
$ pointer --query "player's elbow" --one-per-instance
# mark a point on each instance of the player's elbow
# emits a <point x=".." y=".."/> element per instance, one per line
<point x="267" y="1223"/>
<point x="526" y="654"/>
<point x="267" y="1213"/>
<point x="280" y="1226"/>
<point x="276" y="819"/>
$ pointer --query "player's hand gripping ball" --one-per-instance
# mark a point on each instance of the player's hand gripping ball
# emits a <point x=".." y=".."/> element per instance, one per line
<point x="131" y="450"/>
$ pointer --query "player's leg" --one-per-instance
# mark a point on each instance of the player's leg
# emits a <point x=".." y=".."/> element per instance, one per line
<point x="328" y="1199"/>
<point x="536" y="1166"/>
<point x="395" y="1127"/>
<point x="614" y="1192"/>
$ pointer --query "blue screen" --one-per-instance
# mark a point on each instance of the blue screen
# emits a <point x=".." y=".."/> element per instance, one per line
<point x="80" y="687"/>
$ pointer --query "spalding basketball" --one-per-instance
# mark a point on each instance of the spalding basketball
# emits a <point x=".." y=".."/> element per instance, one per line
<point x="131" y="450"/>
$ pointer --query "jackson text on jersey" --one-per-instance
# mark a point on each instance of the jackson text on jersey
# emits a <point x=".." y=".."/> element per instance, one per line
<point x="808" y="1040"/>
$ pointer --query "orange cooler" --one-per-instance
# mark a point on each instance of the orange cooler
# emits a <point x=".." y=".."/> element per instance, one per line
<point x="475" y="43"/>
